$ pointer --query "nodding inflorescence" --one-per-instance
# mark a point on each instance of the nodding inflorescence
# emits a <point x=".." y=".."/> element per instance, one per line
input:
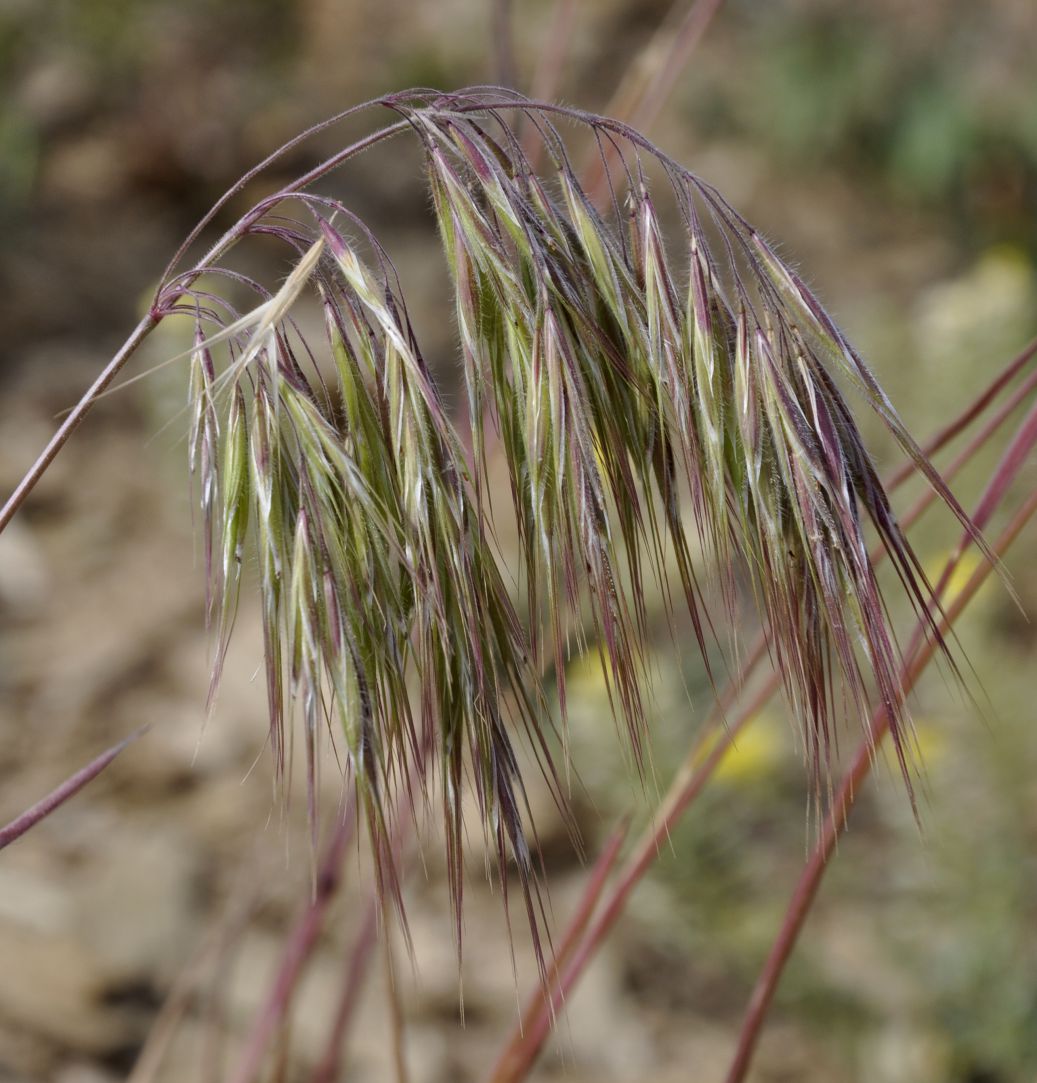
<point x="653" y="398"/>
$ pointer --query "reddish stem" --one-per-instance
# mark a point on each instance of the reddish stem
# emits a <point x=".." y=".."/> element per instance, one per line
<point x="297" y="951"/>
<point x="918" y="657"/>
<point x="641" y="108"/>
<point x="57" y="797"/>
<point x="810" y="881"/>
<point x="518" y="1055"/>
<point x="948" y="432"/>
<point x="329" y="1068"/>
<point x="75" y="418"/>
<point x="526" y="1041"/>
<point x="690" y="32"/>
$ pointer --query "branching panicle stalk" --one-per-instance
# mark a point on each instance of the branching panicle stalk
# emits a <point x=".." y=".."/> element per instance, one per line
<point x="648" y="406"/>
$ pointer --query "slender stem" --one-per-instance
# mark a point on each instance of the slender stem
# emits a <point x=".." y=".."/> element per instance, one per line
<point x="965" y="456"/>
<point x="974" y="409"/>
<point x="303" y="938"/>
<point x="589" y="900"/>
<point x="239" y="185"/>
<point x="300" y="945"/>
<point x="690" y="32"/>
<point x="696" y="771"/>
<point x="244" y="224"/>
<point x="210" y="954"/>
<point x="918" y="657"/>
<point x="525" y="1043"/>
<point x="505" y="68"/>
<point x="810" y="881"/>
<point x="392" y="995"/>
<point x="329" y="1068"/>
<point x="69" y="788"/>
<point x="641" y="105"/>
<point x="75" y="418"/>
<point x="517" y="1056"/>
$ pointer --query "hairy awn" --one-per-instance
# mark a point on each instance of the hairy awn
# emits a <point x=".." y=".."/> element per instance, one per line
<point x="627" y="379"/>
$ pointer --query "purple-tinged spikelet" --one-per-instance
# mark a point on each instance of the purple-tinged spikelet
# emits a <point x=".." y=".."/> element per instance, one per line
<point x="623" y="394"/>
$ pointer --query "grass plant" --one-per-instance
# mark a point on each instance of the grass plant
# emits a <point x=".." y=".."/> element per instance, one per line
<point x="669" y="407"/>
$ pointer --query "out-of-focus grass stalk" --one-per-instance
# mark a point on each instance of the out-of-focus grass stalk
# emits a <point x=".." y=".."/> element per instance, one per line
<point x="810" y="881"/>
<point x="75" y="418"/>
<point x="58" y="796"/>
<point x="917" y="658"/>
<point x="682" y="44"/>
<point x="527" y="1038"/>
<point x="940" y="439"/>
<point x="304" y="937"/>
<point x="644" y="91"/>
<point x="394" y="1009"/>
<point x="547" y="76"/>
<point x="209" y="956"/>
<point x="166" y="300"/>
<point x="358" y="961"/>
<point x="649" y="82"/>
<point x="298" y="948"/>
<point x="575" y="952"/>
<point x="516" y="1058"/>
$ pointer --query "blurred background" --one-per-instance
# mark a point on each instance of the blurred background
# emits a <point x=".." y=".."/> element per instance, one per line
<point x="891" y="151"/>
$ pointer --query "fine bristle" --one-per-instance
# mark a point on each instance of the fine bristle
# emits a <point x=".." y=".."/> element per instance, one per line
<point x="623" y="386"/>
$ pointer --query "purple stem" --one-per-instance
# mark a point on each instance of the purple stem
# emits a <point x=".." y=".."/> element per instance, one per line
<point x="329" y="1068"/>
<point x="69" y="788"/>
<point x="526" y="1041"/>
<point x="919" y="655"/>
<point x="297" y="951"/>
<point x="75" y="418"/>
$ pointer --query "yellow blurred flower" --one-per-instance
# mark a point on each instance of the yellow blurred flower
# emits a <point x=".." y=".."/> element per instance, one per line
<point x="754" y="754"/>
<point x="930" y="741"/>
<point x="585" y="677"/>
<point x="963" y="572"/>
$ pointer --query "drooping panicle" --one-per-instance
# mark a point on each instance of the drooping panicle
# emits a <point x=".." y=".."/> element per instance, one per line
<point x="666" y="403"/>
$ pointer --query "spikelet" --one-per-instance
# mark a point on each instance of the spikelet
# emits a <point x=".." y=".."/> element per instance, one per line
<point x="632" y="402"/>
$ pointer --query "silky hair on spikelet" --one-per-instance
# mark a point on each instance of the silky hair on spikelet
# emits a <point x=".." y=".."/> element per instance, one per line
<point x="625" y="378"/>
